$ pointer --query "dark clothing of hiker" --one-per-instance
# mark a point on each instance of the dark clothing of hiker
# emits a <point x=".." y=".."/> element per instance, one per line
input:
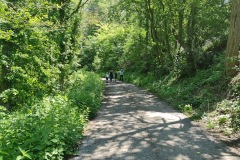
<point x="111" y="76"/>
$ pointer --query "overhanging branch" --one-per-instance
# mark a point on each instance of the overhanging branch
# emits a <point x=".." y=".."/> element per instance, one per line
<point x="80" y="5"/>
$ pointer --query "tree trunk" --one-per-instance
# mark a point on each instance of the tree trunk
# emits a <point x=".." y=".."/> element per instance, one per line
<point x="62" y="46"/>
<point x="147" y="26"/>
<point x="168" y="46"/>
<point x="180" y="26"/>
<point x="191" y="34"/>
<point x="4" y="71"/>
<point x="232" y="51"/>
<point x="153" y="31"/>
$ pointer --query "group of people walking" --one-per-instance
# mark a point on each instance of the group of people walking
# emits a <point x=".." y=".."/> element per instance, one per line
<point x="113" y="76"/>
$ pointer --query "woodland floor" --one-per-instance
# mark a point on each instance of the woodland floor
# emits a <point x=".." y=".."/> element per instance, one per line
<point x="133" y="124"/>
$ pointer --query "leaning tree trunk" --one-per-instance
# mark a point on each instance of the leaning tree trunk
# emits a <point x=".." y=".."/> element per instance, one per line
<point x="233" y="43"/>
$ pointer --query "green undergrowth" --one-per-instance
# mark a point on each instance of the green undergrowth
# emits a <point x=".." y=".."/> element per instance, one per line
<point x="199" y="96"/>
<point x="86" y="92"/>
<point x="226" y="116"/>
<point x="52" y="127"/>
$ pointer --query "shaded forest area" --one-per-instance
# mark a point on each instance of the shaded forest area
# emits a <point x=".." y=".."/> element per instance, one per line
<point x="186" y="51"/>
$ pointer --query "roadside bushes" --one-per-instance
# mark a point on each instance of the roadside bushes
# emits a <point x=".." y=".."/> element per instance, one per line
<point x="47" y="131"/>
<point x="226" y="117"/>
<point x="52" y="127"/>
<point x="86" y="92"/>
<point x="200" y="91"/>
<point x="201" y="96"/>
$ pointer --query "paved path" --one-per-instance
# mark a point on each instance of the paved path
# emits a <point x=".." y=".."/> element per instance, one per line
<point x="135" y="125"/>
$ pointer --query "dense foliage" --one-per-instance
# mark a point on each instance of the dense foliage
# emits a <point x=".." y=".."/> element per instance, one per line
<point x="39" y="47"/>
<point x="44" y="101"/>
<point x="161" y="36"/>
<point x="52" y="127"/>
<point x="86" y="92"/>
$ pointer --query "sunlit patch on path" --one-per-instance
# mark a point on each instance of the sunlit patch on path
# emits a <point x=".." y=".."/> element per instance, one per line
<point x="135" y="125"/>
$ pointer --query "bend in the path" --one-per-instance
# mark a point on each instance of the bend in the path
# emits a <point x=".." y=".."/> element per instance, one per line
<point x="135" y="125"/>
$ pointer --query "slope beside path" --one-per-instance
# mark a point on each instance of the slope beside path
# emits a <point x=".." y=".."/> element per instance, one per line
<point x="135" y="125"/>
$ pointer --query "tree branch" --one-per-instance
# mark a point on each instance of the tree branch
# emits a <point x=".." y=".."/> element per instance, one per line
<point x="80" y="5"/>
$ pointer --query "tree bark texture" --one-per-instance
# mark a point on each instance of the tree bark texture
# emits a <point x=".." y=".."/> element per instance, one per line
<point x="233" y="43"/>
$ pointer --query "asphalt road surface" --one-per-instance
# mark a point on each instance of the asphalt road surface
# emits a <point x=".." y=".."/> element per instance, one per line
<point x="135" y="125"/>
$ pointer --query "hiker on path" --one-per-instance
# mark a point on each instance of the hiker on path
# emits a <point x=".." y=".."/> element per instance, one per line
<point x="121" y="75"/>
<point x="107" y="77"/>
<point x="115" y="76"/>
<point x="111" y="76"/>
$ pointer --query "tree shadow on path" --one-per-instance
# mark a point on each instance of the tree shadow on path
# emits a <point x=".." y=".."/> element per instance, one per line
<point x="135" y="125"/>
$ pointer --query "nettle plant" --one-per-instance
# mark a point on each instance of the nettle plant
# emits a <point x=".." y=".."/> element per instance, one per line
<point x="86" y="92"/>
<point x="49" y="130"/>
<point x="52" y="127"/>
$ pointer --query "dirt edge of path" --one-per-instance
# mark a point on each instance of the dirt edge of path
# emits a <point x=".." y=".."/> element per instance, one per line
<point x="232" y="141"/>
